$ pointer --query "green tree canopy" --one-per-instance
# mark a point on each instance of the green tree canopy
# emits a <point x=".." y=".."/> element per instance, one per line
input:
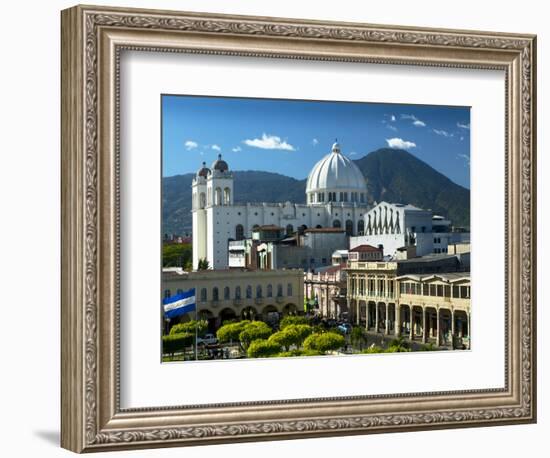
<point x="176" y="342"/>
<point x="203" y="264"/>
<point x="231" y="331"/>
<point x="327" y="341"/>
<point x="292" y="319"/>
<point x="189" y="327"/>
<point x="358" y="336"/>
<point x="177" y="255"/>
<point x="292" y="334"/>
<point x="263" y="349"/>
<point x="254" y="330"/>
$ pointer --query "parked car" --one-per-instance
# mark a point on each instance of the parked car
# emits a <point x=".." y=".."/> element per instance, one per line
<point x="208" y="339"/>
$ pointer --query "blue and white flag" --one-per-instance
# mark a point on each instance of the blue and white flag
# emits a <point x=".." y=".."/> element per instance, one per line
<point x="180" y="304"/>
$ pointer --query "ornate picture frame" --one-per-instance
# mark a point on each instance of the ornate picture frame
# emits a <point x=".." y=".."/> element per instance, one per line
<point x="92" y="40"/>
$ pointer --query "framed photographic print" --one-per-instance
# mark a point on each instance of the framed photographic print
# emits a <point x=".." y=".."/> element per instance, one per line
<point x="278" y="228"/>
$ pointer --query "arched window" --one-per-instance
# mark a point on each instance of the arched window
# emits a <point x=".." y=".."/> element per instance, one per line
<point x="226" y="293"/>
<point x="289" y="289"/>
<point x="218" y="196"/>
<point x="249" y="292"/>
<point x="302" y="229"/>
<point x="349" y="227"/>
<point x="202" y="200"/>
<point x="237" y="292"/>
<point x="360" y="227"/>
<point x="289" y="229"/>
<point x="226" y="196"/>
<point x="269" y="290"/>
<point x="259" y="291"/>
<point x="255" y="227"/>
<point x="203" y="295"/>
<point x="239" y="232"/>
<point x="318" y="226"/>
<point x="215" y="294"/>
<point x="279" y="290"/>
<point x="336" y="223"/>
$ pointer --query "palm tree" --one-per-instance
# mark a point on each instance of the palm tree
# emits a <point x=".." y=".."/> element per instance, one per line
<point x="203" y="264"/>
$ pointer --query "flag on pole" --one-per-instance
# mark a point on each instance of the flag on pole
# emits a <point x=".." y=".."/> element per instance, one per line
<point x="180" y="304"/>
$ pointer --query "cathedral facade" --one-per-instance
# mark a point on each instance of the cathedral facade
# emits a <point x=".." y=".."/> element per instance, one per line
<point x="336" y="196"/>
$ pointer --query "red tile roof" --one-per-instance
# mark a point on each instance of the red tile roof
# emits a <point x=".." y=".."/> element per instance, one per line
<point x="365" y="249"/>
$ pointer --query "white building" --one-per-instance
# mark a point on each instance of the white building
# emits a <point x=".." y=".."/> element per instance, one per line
<point x="336" y="196"/>
<point x="396" y="226"/>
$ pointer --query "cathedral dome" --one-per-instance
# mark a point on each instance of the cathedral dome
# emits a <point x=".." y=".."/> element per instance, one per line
<point x="220" y="165"/>
<point x="203" y="171"/>
<point x="335" y="172"/>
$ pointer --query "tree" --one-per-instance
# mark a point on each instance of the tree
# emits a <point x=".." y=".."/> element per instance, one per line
<point x="189" y="327"/>
<point x="253" y="331"/>
<point x="230" y="332"/>
<point x="203" y="264"/>
<point x="292" y="319"/>
<point x="263" y="349"/>
<point x="327" y="341"/>
<point x="176" y="342"/>
<point x="177" y="255"/>
<point x="398" y="345"/>
<point x="358" y="337"/>
<point x="292" y="334"/>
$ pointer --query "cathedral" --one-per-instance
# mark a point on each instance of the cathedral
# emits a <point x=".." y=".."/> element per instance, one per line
<point x="336" y="197"/>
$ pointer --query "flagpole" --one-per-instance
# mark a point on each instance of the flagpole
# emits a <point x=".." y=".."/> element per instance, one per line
<point x="196" y="327"/>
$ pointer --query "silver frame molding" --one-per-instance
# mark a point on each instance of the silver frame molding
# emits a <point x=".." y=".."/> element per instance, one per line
<point x="92" y="40"/>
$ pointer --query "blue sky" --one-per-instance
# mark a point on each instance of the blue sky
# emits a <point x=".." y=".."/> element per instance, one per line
<point x="289" y="137"/>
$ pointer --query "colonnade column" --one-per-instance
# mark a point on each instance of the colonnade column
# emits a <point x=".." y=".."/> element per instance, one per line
<point x="411" y="322"/>
<point x="437" y="336"/>
<point x="452" y="328"/>
<point x="387" y="330"/>
<point x="397" y="320"/>
<point x="376" y="317"/>
<point x="424" y="327"/>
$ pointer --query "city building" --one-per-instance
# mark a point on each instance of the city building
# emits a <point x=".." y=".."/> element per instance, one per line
<point x="239" y="294"/>
<point x="425" y="298"/>
<point x="336" y="197"/>
<point x="396" y="226"/>
<point x="366" y="253"/>
<point x="325" y="290"/>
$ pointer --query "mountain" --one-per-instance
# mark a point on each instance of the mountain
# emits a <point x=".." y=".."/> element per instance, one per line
<point x="397" y="176"/>
<point x="249" y="186"/>
<point x="392" y="175"/>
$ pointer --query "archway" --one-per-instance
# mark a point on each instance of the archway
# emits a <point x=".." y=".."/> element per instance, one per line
<point x="248" y="313"/>
<point x="289" y="309"/>
<point x="227" y="315"/>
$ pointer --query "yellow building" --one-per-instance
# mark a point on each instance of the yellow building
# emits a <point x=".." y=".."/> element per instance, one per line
<point x="419" y="299"/>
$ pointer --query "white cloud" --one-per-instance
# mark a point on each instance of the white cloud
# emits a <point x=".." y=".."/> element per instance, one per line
<point x="389" y="126"/>
<point x="353" y="153"/>
<point x="399" y="143"/>
<point x="269" y="142"/>
<point x="236" y="149"/>
<point x="314" y="142"/>
<point x="393" y="118"/>
<point x="190" y="144"/>
<point x="465" y="157"/>
<point x="216" y="148"/>
<point x="442" y="132"/>
<point x="463" y="126"/>
<point x="416" y="122"/>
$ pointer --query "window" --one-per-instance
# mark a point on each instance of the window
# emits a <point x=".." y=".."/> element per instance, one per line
<point x="226" y="293"/>
<point x="289" y="289"/>
<point x="440" y="290"/>
<point x="336" y="223"/>
<point x="349" y="227"/>
<point x="203" y="295"/>
<point x="289" y="229"/>
<point x="269" y="290"/>
<point x="239" y="232"/>
<point x="279" y="290"/>
<point x="465" y="292"/>
<point x="360" y="227"/>
<point x="249" y="292"/>
<point x="237" y="292"/>
<point x="167" y="293"/>
<point x="259" y="291"/>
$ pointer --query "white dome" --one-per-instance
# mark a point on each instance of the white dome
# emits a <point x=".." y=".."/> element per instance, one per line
<point x="335" y="172"/>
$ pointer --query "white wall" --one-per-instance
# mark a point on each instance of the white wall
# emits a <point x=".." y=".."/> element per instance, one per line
<point x="29" y="241"/>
